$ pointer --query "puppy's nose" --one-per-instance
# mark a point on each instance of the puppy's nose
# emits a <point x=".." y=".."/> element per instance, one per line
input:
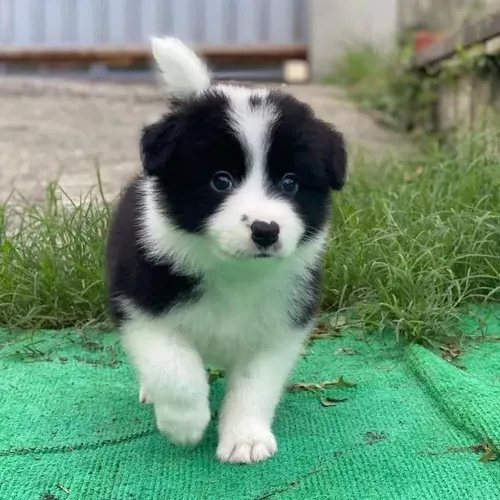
<point x="264" y="234"/>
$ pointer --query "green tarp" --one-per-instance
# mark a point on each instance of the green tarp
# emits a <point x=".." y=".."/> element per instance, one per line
<point x="414" y="427"/>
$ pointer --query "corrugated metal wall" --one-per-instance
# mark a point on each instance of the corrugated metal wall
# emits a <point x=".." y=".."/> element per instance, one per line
<point x="73" y="23"/>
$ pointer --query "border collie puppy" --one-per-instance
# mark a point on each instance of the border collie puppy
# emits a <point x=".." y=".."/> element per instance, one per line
<point x="215" y="251"/>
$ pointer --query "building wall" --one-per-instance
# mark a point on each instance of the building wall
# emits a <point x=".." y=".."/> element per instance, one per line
<point x="334" y="24"/>
<point x="326" y="26"/>
<point x="28" y="23"/>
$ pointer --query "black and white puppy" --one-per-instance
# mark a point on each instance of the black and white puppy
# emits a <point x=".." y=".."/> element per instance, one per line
<point x="215" y="251"/>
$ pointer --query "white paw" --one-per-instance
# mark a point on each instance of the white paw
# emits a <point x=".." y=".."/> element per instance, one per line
<point x="143" y="397"/>
<point x="244" y="444"/>
<point x="183" y="425"/>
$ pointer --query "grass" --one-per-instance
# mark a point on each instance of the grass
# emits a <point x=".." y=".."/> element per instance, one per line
<point x="358" y="62"/>
<point x="415" y="241"/>
<point x="51" y="262"/>
<point x="380" y="82"/>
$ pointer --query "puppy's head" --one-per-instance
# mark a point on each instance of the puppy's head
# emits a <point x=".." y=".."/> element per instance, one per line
<point x="249" y="170"/>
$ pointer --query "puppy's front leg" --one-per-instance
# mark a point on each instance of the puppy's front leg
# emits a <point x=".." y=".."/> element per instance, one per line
<point x="174" y="379"/>
<point x="254" y="390"/>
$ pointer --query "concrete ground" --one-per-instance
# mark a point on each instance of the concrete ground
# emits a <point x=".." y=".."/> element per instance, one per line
<point x="61" y="129"/>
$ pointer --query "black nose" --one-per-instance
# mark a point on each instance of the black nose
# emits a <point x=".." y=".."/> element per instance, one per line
<point x="264" y="234"/>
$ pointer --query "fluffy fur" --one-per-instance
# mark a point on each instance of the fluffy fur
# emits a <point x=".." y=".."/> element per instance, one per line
<point x="214" y="253"/>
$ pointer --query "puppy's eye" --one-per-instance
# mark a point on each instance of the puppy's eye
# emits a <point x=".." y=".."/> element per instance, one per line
<point x="289" y="184"/>
<point x="222" y="181"/>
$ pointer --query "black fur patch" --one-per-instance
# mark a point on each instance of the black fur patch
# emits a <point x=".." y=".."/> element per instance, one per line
<point x="304" y="308"/>
<point x="154" y="287"/>
<point x="305" y="146"/>
<point x="184" y="150"/>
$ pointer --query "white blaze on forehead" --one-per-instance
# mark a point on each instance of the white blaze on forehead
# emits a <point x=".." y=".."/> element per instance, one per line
<point x="230" y="226"/>
<point x="251" y="123"/>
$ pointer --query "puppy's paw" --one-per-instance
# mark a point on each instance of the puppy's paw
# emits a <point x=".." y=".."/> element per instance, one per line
<point x="183" y="426"/>
<point x="246" y="443"/>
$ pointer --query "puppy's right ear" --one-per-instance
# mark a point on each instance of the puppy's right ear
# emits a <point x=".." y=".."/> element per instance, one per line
<point x="333" y="152"/>
<point x="158" y="143"/>
<point x="183" y="72"/>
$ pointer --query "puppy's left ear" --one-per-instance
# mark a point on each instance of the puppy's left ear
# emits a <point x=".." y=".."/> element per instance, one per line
<point x="333" y="154"/>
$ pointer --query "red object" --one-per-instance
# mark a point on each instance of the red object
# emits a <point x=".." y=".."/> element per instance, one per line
<point x="424" y="38"/>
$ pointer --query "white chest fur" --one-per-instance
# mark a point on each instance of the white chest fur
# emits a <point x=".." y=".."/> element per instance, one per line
<point x="239" y="312"/>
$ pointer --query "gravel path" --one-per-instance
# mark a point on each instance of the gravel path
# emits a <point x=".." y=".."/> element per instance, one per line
<point x="60" y="129"/>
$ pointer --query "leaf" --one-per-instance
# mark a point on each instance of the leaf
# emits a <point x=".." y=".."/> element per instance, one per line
<point x="319" y="333"/>
<point x="374" y="437"/>
<point x="63" y="488"/>
<point x="214" y="375"/>
<point x="345" y="350"/>
<point x="329" y="329"/>
<point x="340" y="382"/>
<point x="300" y="386"/>
<point x="315" y="387"/>
<point x="338" y="321"/>
<point x="327" y="402"/>
<point x="478" y="447"/>
<point x="449" y="351"/>
<point x="489" y="455"/>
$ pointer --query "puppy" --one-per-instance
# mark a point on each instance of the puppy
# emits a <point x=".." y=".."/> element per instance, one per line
<point x="215" y="251"/>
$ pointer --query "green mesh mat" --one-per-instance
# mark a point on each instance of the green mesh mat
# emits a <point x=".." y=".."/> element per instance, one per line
<point x="414" y="427"/>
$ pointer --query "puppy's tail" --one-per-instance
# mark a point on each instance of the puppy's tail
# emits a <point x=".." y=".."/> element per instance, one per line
<point x="183" y="72"/>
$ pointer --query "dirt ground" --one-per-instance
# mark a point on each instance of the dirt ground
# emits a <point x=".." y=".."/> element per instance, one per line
<point x="61" y="129"/>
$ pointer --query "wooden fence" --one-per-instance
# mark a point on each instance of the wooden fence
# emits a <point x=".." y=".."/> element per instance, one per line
<point x="443" y="15"/>
<point x="468" y="96"/>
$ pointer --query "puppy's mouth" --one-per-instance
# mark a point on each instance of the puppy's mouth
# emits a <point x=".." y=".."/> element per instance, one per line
<point x="262" y="255"/>
<point x="253" y="253"/>
<point x="249" y="256"/>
